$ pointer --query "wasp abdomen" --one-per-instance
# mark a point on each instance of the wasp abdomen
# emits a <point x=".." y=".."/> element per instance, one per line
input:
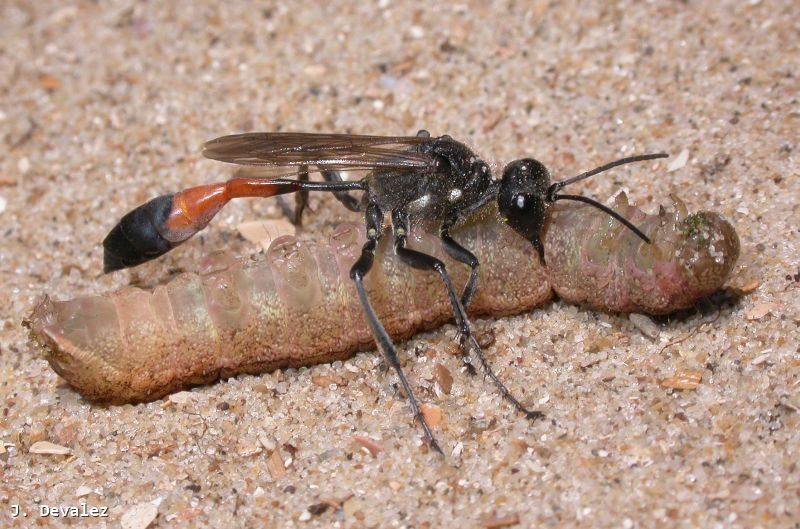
<point x="138" y="236"/>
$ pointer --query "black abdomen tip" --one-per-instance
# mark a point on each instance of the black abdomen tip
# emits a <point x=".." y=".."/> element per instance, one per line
<point x="137" y="237"/>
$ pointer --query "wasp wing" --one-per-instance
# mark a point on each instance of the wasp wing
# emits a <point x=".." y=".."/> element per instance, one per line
<point x="330" y="151"/>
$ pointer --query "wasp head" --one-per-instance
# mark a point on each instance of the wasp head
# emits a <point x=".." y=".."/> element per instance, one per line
<point x="523" y="198"/>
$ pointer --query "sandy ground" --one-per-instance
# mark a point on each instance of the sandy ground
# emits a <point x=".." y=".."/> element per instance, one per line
<point x="102" y="107"/>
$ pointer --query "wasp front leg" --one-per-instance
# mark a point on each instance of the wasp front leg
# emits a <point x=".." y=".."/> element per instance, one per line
<point x="374" y="221"/>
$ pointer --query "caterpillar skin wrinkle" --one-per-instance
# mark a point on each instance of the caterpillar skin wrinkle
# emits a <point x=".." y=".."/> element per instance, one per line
<point x="298" y="307"/>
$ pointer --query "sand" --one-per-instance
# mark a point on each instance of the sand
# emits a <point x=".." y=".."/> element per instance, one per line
<point x="104" y="106"/>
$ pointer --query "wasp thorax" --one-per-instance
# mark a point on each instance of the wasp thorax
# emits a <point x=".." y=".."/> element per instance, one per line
<point x="480" y="176"/>
<point x="522" y="198"/>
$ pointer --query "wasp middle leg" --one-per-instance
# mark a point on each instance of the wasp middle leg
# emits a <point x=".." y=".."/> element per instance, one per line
<point x="423" y="261"/>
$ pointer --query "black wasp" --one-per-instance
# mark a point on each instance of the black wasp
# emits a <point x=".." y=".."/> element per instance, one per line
<point x="410" y="178"/>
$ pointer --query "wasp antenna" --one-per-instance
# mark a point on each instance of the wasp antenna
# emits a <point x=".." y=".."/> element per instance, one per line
<point x="622" y="161"/>
<point x="598" y="205"/>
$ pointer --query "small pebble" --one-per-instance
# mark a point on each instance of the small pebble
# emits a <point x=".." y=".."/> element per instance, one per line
<point x="267" y="442"/>
<point x="645" y="325"/>
<point x="760" y="359"/>
<point x="23" y="165"/>
<point x="83" y="490"/>
<point x="181" y="397"/>
<point x="758" y="311"/>
<point x="139" y="516"/>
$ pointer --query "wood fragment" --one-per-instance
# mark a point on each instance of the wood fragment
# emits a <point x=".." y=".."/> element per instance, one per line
<point x="432" y="414"/>
<point x="276" y="466"/>
<point x="373" y="447"/>
<point x="48" y="448"/>
<point x="687" y="379"/>
<point x="679" y="162"/>
<point x="500" y="522"/>
<point x="48" y="82"/>
<point x="326" y="381"/>
<point x="444" y="378"/>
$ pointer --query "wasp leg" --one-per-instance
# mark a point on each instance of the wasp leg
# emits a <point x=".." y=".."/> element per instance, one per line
<point x="458" y="252"/>
<point x="374" y="221"/>
<point x="462" y="255"/>
<point x="347" y="200"/>
<point x="301" y="198"/>
<point x="424" y="261"/>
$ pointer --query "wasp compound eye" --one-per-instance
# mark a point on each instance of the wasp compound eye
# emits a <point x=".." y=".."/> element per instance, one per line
<point x="525" y="213"/>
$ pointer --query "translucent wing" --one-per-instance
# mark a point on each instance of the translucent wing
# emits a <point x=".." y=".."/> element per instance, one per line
<point x="330" y="151"/>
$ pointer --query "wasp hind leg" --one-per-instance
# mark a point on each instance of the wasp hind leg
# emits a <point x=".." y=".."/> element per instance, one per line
<point x="347" y="200"/>
<point x="300" y="200"/>
<point x="374" y="221"/>
<point x="301" y="197"/>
